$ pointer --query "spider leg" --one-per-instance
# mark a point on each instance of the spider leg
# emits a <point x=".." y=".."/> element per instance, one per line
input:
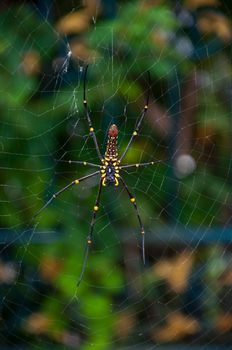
<point x="132" y="199"/>
<point x="55" y="195"/>
<point x="138" y="165"/>
<point x="80" y="162"/>
<point x="90" y="235"/>
<point x="88" y="115"/>
<point x="139" y="122"/>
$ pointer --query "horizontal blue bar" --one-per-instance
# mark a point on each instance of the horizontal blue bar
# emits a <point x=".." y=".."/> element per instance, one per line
<point x="29" y="235"/>
<point x="160" y="235"/>
<point x="190" y="235"/>
<point x="186" y="235"/>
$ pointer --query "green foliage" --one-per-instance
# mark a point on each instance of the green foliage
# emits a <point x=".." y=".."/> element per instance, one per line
<point x="34" y="135"/>
<point x="131" y="50"/>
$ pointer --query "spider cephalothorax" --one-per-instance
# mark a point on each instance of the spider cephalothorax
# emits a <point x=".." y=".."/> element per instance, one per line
<point x="108" y="171"/>
<point x="110" y="168"/>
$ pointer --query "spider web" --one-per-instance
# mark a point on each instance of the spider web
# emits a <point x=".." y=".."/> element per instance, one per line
<point x="182" y="296"/>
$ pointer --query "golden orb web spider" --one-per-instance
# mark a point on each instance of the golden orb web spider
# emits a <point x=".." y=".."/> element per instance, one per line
<point x="109" y="171"/>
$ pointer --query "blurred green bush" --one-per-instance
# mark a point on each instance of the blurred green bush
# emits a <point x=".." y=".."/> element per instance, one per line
<point x="43" y="121"/>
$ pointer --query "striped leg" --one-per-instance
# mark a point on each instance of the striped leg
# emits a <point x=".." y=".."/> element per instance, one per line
<point x="138" y="165"/>
<point x="90" y="235"/>
<point x="88" y="115"/>
<point x="132" y="199"/>
<point x="80" y="162"/>
<point x="55" y="195"/>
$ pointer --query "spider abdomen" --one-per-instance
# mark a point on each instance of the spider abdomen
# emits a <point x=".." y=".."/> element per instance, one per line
<point x="110" y="169"/>
<point x="111" y="148"/>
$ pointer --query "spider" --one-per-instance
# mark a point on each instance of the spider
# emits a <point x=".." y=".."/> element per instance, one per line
<point x="109" y="171"/>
